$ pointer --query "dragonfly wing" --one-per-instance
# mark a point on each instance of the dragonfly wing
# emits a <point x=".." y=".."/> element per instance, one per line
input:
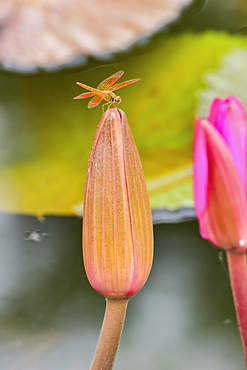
<point x="84" y="95"/>
<point x="96" y="100"/>
<point x="122" y="84"/>
<point x="108" y="82"/>
<point x="95" y="91"/>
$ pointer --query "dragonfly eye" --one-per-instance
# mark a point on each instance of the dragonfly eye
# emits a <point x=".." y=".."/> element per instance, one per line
<point x="118" y="99"/>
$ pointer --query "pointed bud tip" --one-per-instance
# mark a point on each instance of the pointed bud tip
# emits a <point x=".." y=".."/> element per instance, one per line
<point x="202" y="121"/>
<point x="112" y="112"/>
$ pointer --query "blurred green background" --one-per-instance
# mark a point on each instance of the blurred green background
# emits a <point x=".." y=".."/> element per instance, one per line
<point x="184" y="317"/>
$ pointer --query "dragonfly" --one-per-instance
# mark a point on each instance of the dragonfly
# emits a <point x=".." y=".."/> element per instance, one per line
<point x="105" y="90"/>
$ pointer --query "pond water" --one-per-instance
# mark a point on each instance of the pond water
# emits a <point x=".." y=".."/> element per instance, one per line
<point x="183" y="318"/>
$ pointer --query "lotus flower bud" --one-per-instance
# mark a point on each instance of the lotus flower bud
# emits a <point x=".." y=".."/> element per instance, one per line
<point x="220" y="174"/>
<point x="117" y="222"/>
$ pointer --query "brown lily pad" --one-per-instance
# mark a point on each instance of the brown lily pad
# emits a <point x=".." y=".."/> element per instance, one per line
<point x="50" y="33"/>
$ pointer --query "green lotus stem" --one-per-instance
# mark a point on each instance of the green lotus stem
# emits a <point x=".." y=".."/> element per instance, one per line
<point x="238" y="277"/>
<point x="110" y="334"/>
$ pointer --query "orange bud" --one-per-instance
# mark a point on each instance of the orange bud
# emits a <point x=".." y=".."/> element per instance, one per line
<point x="117" y="222"/>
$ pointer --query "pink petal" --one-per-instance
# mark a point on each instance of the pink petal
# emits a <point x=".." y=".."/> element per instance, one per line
<point x="200" y="168"/>
<point x="219" y="194"/>
<point x="229" y="119"/>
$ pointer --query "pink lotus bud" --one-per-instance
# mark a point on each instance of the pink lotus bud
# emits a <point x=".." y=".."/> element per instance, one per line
<point x="117" y="222"/>
<point x="220" y="164"/>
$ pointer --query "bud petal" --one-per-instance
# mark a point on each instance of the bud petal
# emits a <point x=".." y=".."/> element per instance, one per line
<point x="228" y="117"/>
<point x="220" y="175"/>
<point x="117" y="223"/>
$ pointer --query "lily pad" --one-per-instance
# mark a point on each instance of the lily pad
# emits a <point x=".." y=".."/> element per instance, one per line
<point x="229" y="79"/>
<point x="46" y="136"/>
<point x="49" y="34"/>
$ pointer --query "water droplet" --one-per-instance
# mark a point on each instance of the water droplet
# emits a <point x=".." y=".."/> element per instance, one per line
<point x="227" y="321"/>
<point x="35" y="235"/>
<point x="241" y="242"/>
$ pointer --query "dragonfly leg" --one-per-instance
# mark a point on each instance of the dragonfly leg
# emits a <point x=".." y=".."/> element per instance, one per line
<point x="108" y="104"/>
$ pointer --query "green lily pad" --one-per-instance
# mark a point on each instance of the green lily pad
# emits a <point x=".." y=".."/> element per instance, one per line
<point x="46" y="136"/>
<point x="229" y="79"/>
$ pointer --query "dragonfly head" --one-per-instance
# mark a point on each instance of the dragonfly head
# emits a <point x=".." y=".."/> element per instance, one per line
<point x="117" y="99"/>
